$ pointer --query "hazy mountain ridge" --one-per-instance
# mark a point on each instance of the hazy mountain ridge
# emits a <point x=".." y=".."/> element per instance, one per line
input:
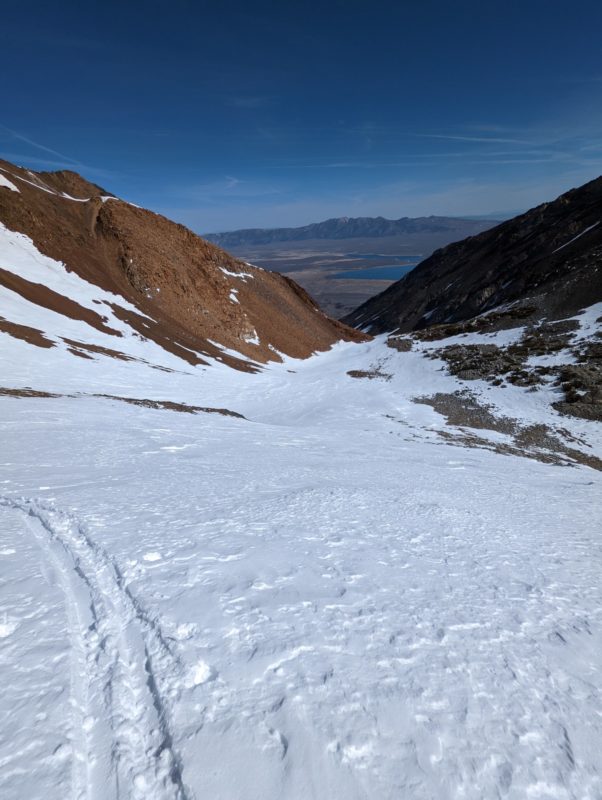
<point x="349" y="228"/>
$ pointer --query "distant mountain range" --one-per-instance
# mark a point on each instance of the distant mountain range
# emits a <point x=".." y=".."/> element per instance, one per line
<point x="352" y="228"/>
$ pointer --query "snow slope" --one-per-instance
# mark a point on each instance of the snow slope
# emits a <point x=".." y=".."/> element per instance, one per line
<point x="324" y="600"/>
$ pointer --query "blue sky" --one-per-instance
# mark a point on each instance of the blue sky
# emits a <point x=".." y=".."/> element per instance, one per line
<point x="239" y="114"/>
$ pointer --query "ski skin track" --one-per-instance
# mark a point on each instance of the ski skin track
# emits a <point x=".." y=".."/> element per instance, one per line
<point x="120" y="717"/>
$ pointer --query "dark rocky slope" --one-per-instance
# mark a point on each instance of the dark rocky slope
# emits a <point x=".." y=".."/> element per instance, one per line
<point x="548" y="259"/>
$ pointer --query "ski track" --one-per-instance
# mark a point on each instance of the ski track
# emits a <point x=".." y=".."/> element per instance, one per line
<point x="401" y="622"/>
<point x="120" y="717"/>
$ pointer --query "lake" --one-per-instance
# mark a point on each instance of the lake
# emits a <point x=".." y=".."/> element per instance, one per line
<point x="414" y="259"/>
<point x="390" y="272"/>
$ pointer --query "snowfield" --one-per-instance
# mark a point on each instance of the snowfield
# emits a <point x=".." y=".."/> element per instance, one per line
<point x="326" y="599"/>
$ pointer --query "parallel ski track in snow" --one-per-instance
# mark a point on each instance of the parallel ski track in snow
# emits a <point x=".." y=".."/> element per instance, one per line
<point x="122" y="741"/>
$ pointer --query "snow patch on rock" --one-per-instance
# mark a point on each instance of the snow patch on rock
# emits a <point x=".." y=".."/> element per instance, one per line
<point x="6" y="184"/>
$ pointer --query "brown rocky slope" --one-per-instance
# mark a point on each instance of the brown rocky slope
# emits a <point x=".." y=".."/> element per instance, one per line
<point x="194" y="293"/>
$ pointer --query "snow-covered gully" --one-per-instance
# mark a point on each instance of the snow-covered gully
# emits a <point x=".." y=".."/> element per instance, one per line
<point x="340" y="595"/>
<point x="121" y="735"/>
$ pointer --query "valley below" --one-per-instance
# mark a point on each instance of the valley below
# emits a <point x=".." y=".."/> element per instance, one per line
<point x="340" y="276"/>
<point x="342" y="273"/>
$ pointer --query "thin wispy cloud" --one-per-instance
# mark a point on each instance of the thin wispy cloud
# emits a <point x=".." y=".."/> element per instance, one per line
<point x="26" y="160"/>
<point x="221" y="191"/>
<point x="58" y="161"/>
<point x="430" y="159"/>
<point x="23" y="158"/>
<point x="479" y="139"/>
<point x="20" y="137"/>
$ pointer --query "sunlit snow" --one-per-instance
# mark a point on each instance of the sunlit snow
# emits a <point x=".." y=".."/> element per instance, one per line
<point x="324" y="600"/>
<point x="4" y="182"/>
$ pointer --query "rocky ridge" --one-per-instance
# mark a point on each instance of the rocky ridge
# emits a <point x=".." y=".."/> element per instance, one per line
<point x="532" y="276"/>
<point x="548" y="259"/>
<point x="192" y="298"/>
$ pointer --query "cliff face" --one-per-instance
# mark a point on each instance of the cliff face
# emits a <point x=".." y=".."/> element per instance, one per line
<point x="189" y="294"/>
<point x="549" y="258"/>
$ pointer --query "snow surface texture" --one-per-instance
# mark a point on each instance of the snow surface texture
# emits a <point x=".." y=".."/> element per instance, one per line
<point x="323" y="600"/>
